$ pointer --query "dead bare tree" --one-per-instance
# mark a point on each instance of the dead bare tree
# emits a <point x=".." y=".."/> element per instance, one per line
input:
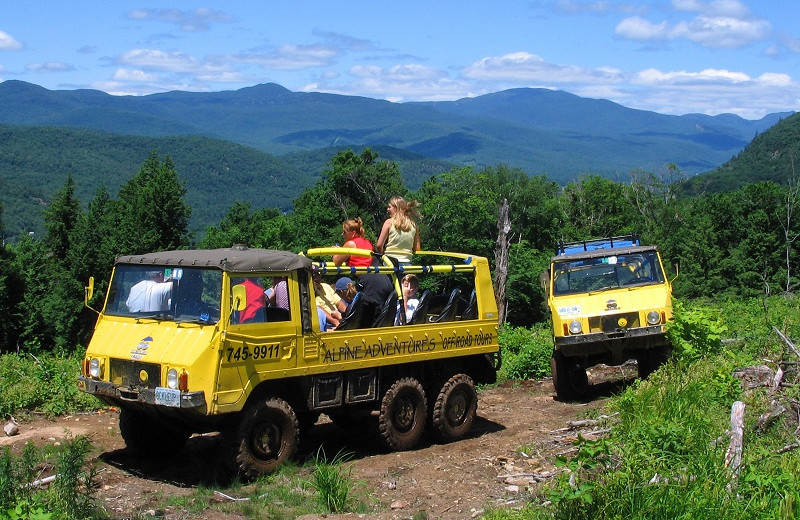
<point x="501" y="260"/>
<point x="792" y="202"/>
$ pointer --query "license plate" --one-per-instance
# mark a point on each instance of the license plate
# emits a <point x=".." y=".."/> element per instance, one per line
<point x="168" y="396"/>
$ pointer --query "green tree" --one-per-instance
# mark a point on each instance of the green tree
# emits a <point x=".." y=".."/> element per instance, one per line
<point x="353" y="186"/>
<point x="596" y="207"/>
<point x="461" y="210"/>
<point x="242" y="225"/>
<point x="60" y="219"/>
<point x="151" y="210"/>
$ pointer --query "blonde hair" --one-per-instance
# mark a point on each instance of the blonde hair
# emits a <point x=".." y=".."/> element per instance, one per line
<point x="354" y="225"/>
<point x="407" y="214"/>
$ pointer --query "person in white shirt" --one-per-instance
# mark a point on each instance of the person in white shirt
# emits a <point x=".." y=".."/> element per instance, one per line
<point x="151" y="294"/>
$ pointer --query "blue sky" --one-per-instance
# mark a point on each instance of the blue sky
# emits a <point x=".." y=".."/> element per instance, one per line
<point x="668" y="56"/>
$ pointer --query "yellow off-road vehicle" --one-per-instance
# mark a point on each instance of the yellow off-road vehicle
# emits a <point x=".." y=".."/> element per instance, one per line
<point x="609" y="301"/>
<point x="229" y="340"/>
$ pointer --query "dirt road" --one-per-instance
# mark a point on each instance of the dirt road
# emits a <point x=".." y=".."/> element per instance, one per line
<point x="450" y="481"/>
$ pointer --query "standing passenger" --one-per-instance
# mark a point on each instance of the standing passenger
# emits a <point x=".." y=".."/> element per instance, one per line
<point x="399" y="236"/>
<point x="353" y="233"/>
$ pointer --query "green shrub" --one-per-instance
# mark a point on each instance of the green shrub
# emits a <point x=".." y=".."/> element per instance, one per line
<point x="695" y="332"/>
<point x="69" y="496"/>
<point x="46" y="383"/>
<point x="526" y="352"/>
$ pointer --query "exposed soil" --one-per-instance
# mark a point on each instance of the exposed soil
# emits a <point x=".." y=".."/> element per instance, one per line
<point x="447" y="481"/>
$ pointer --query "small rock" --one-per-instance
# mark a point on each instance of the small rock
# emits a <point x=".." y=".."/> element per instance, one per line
<point x="512" y="489"/>
<point x="398" y="504"/>
<point x="11" y="429"/>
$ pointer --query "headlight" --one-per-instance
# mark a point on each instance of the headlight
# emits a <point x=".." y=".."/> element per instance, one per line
<point x="94" y="368"/>
<point x="172" y="378"/>
<point x="575" y="327"/>
<point x="653" y="318"/>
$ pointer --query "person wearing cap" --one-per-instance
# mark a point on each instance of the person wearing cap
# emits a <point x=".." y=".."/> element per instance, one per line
<point x="353" y="234"/>
<point x="346" y="288"/>
<point x="151" y="294"/>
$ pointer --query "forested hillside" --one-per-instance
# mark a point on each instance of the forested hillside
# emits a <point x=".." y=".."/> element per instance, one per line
<point x="34" y="163"/>
<point x="537" y="130"/>
<point x="773" y="155"/>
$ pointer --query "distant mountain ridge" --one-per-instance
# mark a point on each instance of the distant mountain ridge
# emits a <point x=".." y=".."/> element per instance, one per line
<point x="540" y="131"/>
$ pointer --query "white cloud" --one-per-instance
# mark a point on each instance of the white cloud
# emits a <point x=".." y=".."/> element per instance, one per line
<point x="134" y="75"/>
<point x="291" y="57"/>
<point x="524" y="67"/>
<point x="407" y="82"/>
<point x="8" y="42"/>
<point x="50" y="66"/>
<point x="157" y="59"/>
<point x="718" y="24"/>
<point x="197" y="20"/>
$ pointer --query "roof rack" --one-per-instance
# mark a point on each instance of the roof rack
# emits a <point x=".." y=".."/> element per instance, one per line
<point x="565" y="248"/>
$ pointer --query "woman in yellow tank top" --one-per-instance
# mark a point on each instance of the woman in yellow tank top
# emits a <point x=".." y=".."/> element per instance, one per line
<point x="399" y="235"/>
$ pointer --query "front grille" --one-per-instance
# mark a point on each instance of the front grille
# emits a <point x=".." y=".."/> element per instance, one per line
<point x="128" y="373"/>
<point x="611" y="323"/>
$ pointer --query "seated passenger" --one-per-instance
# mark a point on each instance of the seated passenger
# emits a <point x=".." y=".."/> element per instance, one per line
<point x="254" y="311"/>
<point x="399" y="236"/>
<point x="330" y="303"/>
<point x="353" y="233"/>
<point x="278" y="294"/>
<point x="151" y="294"/>
<point x="405" y="309"/>
<point x="346" y="289"/>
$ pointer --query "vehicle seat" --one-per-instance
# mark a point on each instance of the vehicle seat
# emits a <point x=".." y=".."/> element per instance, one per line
<point x="353" y="315"/>
<point x="387" y="312"/>
<point x="448" y="312"/>
<point x="421" y="312"/>
<point x="471" y="312"/>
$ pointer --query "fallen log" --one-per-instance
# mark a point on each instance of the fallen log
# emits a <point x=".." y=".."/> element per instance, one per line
<point x="733" y="457"/>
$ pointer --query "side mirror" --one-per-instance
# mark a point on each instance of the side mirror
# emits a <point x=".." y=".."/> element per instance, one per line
<point x="239" y="297"/>
<point x="88" y="292"/>
<point x="676" y="264"/>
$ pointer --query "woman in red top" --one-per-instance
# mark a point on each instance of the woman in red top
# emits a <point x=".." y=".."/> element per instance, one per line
<point x="353" y="233"/>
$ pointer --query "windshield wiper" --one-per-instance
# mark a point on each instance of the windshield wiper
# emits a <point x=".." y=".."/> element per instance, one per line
<point x="158" y="316"/>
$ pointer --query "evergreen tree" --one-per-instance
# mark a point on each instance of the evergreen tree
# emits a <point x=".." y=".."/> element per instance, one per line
<point x="60" y="219"/>
<point x="151" y="211"/>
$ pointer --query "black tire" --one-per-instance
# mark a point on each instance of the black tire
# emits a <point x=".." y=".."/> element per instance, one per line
<point x="454" y="409"/>
<point x="267" y="436"/>
<point x="569" y="377"/>
<point x="402" y="418"/>
<point x="147" y="436"/>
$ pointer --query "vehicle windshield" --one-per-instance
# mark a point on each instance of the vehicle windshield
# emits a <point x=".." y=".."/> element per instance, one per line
<point x="185" y="294"/>
<point x="610" y="272"/>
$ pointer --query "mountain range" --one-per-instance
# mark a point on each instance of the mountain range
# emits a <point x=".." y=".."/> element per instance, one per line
<point x="265" y="144"/>
<point x="540" y="131"/>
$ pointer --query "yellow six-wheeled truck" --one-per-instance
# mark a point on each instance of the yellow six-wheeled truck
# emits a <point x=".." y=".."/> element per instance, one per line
<point x="609" y="301"/>
<point x="229" y="340"/>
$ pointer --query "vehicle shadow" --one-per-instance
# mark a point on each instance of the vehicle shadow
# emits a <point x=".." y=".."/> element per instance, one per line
<point x="200" y="462"/>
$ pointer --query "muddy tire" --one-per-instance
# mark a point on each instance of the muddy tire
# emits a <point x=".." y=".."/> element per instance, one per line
<point x="569" y="377"/>
<point x="267" y="436"/>
<point x="402" y="417"/>
<point x="454" y="409"/>
<point x="146" y="436"/>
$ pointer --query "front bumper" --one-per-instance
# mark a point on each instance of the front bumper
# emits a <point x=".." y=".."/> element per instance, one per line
<point x="615" y="346"/>
<point x="114" y="394"/>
